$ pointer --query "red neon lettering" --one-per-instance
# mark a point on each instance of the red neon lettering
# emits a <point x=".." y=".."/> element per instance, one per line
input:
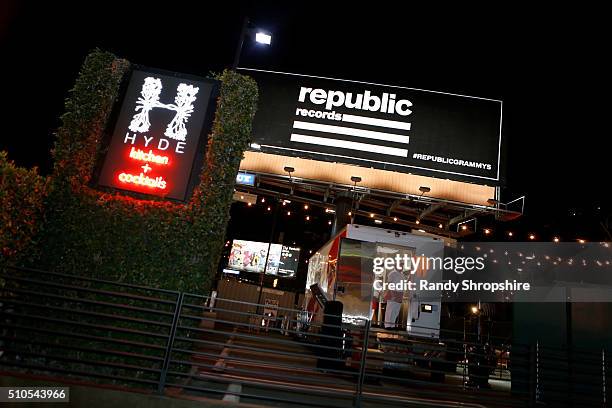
<point x="138" y="154"/>
<point x="143" y="180"/>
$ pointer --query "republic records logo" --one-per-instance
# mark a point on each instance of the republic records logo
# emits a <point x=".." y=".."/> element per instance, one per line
<point x="149" y="100"/>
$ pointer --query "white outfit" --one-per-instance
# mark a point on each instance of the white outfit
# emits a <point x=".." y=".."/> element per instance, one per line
<point x="391" y="313"/>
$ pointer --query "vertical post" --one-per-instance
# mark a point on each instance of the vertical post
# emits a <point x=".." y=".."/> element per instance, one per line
<point x="364" y="353"/>
<point x="603" y="376"/>
<point x="243" y="31"/>
<point x="169" y="344"/>
<point x="261" y="277"/>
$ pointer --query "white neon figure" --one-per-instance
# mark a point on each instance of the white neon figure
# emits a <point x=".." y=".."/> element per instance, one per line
<point x="185" y="96"/>
<point x="149" y="99"/>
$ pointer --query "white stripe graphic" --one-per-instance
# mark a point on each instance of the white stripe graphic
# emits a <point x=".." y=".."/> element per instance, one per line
<point x="345" y="144"/>
<point x="340" y="130"/>
<point x="364" y="120"/>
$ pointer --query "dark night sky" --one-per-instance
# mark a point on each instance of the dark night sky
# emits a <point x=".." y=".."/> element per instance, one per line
<point x="547" y="65"/>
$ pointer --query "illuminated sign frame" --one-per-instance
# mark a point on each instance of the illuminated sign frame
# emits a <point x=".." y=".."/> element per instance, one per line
<point x="386" y="127"/>
<point x="156" y="136"/>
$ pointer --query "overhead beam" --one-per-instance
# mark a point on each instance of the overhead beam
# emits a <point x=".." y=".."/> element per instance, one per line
<point x="431" y="209"/>
<point x="462" y="217"/>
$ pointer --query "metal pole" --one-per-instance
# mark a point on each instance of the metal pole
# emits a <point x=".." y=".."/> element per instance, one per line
<point x="172" y="335"/>
<point x="364" y="353"/>
<point x="603" y="372"/>
<point x="245" y="25"/>
<point x="261" y="277"/>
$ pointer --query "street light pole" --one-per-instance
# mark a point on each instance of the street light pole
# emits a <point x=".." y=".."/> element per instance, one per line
<point x="245" y="26"/>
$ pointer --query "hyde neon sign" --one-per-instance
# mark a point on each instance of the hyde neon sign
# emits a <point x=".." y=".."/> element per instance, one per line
<point x="155" y="140"/>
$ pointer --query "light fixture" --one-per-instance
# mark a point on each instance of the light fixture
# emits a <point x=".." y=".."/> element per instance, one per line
<point x="474" y="309"/>
<point x="510" y="233"/>
<point x="289" y="170"/>
<point x="269" y="208"/>
<point x="356" y="179"/>
<point x="378" y="221"/>
<point x="440" y="225"/>
<point x="263" y="199"/>
<point x="288" y="212"/>
<point x="308" y="218"/>
<point x="260" y="36"/>
<point x="424" y="189"/>
<point x="263" y="38"/>
<point x="487" y="231"/>
<point x="350" y="213"/>
<point x="417" y="222"/>
<point x="556" y="239"/>
<point x="464" y="227"/>
<point x="305" y="206"/>
<point x="581" y="241"/>
<point x="371" y="215"/>
<point x="255" y="146"/>
<point x="329" y="222"/>
<point x="532" y="237"/>
<point x="394" y="218"/>
<point x="249" y="204"/>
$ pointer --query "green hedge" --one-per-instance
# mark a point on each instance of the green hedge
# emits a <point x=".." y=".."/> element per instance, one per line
<point x="21" y="206"/>
<point x="113" y="236"/>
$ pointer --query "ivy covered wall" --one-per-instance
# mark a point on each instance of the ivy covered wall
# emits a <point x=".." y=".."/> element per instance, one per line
<point x="116" y="237"/>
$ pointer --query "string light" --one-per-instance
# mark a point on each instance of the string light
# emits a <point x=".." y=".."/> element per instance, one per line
<point x="417" y="222"/>
<point x="440" y="225"/>
<point x="581" y="241"/>
<point x="329" y="222"/>
<point x="394" y="218"/>
<point x="288" y="212"/>
<point x="263" y="199"/>
<point x="371" y="215"/>
<point x="464" y="227"/>
<point x="308" y="218"/>
<point x="510" y="233"/>
<point x="487" y="231"/>
<point x="556" y="239"/>
<point x="532" y="237"/>
<point x="269" y="208"/>
<point x="249" y="204"/>
<point x="305" y="206"/>
<point x="350" y="213"/>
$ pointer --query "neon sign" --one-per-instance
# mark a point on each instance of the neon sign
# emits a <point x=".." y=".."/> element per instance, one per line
<point x="155" y="147"/>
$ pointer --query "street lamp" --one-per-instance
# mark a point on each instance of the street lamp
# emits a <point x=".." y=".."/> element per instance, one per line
<point x="260" y="36"/>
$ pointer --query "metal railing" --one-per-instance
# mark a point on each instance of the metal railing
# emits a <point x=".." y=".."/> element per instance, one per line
<point x="178" y="344"/>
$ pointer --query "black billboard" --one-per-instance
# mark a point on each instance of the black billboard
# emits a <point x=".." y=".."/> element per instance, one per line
<point x="382" y="126"/>
<point x="156" y="136"/>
